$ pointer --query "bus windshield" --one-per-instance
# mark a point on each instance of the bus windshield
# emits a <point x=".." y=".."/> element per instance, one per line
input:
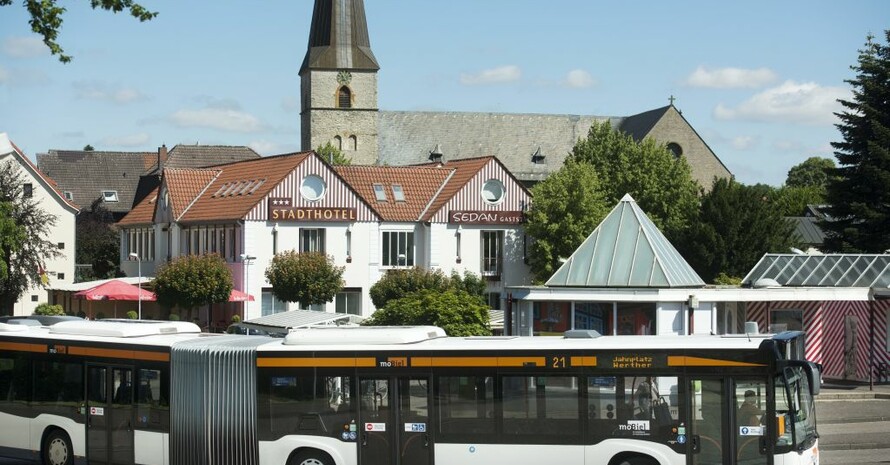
<point x="796" y="410"/>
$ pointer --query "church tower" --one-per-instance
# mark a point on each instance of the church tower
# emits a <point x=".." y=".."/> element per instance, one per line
<point x="338" y="82"/>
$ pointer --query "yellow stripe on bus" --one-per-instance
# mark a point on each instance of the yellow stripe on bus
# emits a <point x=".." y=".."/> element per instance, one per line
<point x="684" y="361"/>
<point x="330" y="362"/>
<point x="583" y="361"/>
<point x="119" y="353"/>
<point x="23" y="347"/>
<point x="476" y="361"/>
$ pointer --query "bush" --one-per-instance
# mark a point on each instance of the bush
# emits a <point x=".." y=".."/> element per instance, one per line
<point x="455" y="311"/>
<point x="173" y="317"/>
<point x="396" y="284"/>
<point x="133" y="315"/>
<point x="47" y="309"/>
<point x="236" y="319"/>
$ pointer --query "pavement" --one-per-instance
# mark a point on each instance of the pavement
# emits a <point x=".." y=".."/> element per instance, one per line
<point x="853" y="416"/>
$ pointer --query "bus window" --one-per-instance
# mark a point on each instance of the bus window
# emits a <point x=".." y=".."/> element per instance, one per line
<point x="312" y="404"/>
<point x="749" y="399"/>
<point x="795" y="410"/>
<point x="649" y="405"/>
<point x="151" y="398"/>
<point x="466" y="405"/>
<point x="60" y="384"/>
<point x="540" y="405"/>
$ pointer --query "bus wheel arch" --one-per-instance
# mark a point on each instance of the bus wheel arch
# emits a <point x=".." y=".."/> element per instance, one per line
<point x="55" y="447"/>
<point x="633" y="458"/>
<point x="309" y="456"/>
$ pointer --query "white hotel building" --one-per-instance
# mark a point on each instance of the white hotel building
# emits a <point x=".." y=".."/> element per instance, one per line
<point x="463" y="215"/>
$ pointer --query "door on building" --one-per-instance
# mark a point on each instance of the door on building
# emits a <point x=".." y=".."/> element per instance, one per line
<point x="726" y="423"/>
<point x="851" y="334"/>
<point x="394" y="421"/>
<point x="109" y="414"/>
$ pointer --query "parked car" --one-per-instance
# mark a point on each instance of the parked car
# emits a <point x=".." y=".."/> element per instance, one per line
<point x="43" y="320"/>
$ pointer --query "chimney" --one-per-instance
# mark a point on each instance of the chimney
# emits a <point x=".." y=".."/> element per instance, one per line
<point x="436" y="154"/>
<point x="162" y="157"/>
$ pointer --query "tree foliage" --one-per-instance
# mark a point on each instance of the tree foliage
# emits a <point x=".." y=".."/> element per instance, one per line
<point x="793" y="200"/>
<point x="191" y="281"/>
<point x="98" y="242"/>
<point x="12" y="236"/>
<point x="399" y="283"/>
<point x="737" y="225"/>
<point x="858" y="195"/>
<point x="309" y="278"/>
<point x="568" y="206"/>
<point x="455" y="311"/>
<point x="333" y="155"/>
<point x="46" y="18"/>
<point x="812" y="172"/>
<point x="659" y="182"/>
<point x="24" y="259"/>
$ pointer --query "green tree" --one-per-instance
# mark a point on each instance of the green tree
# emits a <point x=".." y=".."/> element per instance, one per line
<point x="309" y="278"/>
<point x="858" y="194"/>
<point x="47" y="309"/>
<point x="568" y="206"/>
<point x="401" y="282"/>
<point x="737" y="225"/>
<point x="455" y="311"/>
<point x="12" y="236"/>
<point x="469" y="282"/>
<point x="88" y="148"/>
<point x="660" y="183"/>
<point x="98" y="242"/>
<point x="191" y="281"/>
<point x="813" y="171"/>
<point x="24" y="260"/>
<point x="332" y="155"/>
<point x="793" y="200"/>
<point x="46" y="18"/>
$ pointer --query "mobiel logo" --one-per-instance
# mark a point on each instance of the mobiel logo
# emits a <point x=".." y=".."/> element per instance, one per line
<point x="485" y="217"/>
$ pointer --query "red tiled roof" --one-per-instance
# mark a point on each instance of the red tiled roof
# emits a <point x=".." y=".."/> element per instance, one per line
<point x="143" y="213"/>
<point x="239" y="187"/>
<point x="419" y="185"/>
<point x="184" y="186"/>
<point x="464" y="170"/>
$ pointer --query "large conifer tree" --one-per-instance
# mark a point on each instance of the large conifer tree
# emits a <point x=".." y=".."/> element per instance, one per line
<point x="860" y="193"/>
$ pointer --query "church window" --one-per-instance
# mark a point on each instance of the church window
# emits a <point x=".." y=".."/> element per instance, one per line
<point x="675" y="149"/>
<point x="344" y="97"/>
<point x="338" y="142"/>
<point x="352" y="143"/>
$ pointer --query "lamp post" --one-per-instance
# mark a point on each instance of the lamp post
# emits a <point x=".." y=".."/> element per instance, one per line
<point x="246" y="259"/>
<point x="134" y="255"/>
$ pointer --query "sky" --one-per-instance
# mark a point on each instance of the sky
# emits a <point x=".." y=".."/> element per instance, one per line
<point x="759" y="80"/>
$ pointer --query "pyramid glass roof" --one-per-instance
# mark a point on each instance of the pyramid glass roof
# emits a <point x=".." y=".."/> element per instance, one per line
<point x="626" y="250"/>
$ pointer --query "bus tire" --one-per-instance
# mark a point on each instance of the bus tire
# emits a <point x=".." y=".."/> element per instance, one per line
<point x="57" y="449"/>
<point x="310" y="457"/>
<point x="637" y="460"/>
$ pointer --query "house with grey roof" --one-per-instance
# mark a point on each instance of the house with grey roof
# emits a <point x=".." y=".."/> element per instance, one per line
<point x="339" y="105"/>
<point x="121" y="180"/>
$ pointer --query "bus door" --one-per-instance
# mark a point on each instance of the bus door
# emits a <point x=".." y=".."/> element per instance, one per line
<point x="109" y="413"/>
<point x="726" y="422"/>
<point x="394" y="419"/>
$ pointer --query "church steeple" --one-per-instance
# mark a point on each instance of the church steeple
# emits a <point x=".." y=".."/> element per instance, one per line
<point x="338" y="38"/>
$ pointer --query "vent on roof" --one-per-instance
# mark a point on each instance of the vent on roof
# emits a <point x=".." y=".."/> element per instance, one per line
<point x="538" y="157"/>
<point x="231" y="189"/>
<point x="436" y="153"/>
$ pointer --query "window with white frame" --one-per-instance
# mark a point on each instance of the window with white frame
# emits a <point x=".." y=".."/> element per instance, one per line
<point x="349" y="301"/>
<point x="109" y="196"/>
<point x="492" y="253"/>
<point x="312" y="240"/>
<point x="270" y="304"/>
<point x="141" y="241"/>
<point x="398" y="249"/>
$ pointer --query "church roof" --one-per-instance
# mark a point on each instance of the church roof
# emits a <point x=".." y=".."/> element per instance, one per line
<point x="408" y="137"/>
<point x="626" y="250"/>
<point x="338" y="37"/>
<point x="641" y="124"/>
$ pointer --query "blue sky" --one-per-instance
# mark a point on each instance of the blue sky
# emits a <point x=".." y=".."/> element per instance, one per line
<point x="758" y="79"/>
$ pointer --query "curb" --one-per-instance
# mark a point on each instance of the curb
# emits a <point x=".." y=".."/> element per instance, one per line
<point x="852" y="396"/>
<point x="857" y="446"/>
<point x="843" y="421"/>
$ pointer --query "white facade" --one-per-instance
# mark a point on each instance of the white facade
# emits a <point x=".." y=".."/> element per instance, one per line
<point x="60" y="271"/>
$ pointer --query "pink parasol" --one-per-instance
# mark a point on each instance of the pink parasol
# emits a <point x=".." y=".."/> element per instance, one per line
<point x="115" y="290"/>
<point x="238" y="296"/>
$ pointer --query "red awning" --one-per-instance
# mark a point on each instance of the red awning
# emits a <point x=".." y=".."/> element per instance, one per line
<point x="238" y="296"/>
<point x="115" y="290"/>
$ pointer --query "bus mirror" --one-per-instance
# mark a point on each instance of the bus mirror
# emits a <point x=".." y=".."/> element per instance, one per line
<point x="814" y="373"/>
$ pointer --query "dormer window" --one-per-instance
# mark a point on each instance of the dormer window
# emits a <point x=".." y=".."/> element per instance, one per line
<point x="436" y="154"/>
<point x="538" y="157"/>
<point x="344" y="97"/>
<point x="398" y="193"/>
<point x="69" y="195"/>
<point x="380" y="192"/>
<point x="109" y="196"/>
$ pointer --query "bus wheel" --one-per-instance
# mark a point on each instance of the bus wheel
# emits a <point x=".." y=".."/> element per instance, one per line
<point x="638" y="460"/>
<point x="57" y="449"/>
<point x="311" y="457"/>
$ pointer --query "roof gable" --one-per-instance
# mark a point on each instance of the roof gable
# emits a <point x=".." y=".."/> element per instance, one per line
<point x="463" y="190"/>
<point x="418" y="185"/>
<point x="144" y="212"/>
<point x="8" y="147"/>
<point x="184" y="186"/>
<point x="641" y="124"/>
<point x="626" y="250"/>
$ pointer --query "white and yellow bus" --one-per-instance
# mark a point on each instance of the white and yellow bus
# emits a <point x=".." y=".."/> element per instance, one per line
<point x="163" y="393"/>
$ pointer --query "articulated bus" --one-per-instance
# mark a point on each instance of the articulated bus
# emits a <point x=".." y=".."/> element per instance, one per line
<point x="163" y="393"/>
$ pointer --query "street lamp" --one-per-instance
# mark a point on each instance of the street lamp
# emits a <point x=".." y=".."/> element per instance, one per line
<point x="134" y="255"/>
<point x="246" y="259"/>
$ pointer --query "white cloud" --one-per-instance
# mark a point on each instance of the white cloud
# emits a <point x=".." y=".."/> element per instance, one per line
<point x="266" y="147"/>
<point x="509" y="73"/>
<point x="807" y="103"/>
<point x="95" y="90"/>
<point x="730" y="78"/>
<point x="744" y="142"/>
<point x="217" y="117"/>
<point x="20" y="77"/>
<point x="785" y="145"/>
<point x="132" y="140"/>
<point x="579" y="79"/>
<point x="24" y="47"/>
